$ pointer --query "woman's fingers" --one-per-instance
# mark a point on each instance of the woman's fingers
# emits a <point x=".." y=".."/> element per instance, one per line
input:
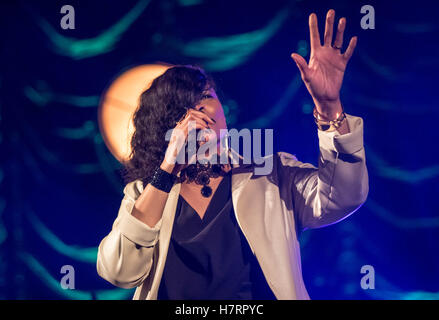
<point x="191" y="123"/>
<point x="192" y="120"/>
<point x="338" y="42"/>
<point x="180" y="135"/>
<point x="350" y="50"/>
<point x="191" y="113"/>
<point x="329" y="27"/>
<point x="314" y="32"/>
<point x="202" y="115"/>
<point x="198" y="117"/>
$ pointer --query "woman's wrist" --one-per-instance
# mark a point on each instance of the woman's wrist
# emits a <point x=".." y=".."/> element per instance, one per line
<point x="328" y="110"/>
<point x="168" y="167"/>
<point x="331" y="125"/>
<point x="163" y="180"/>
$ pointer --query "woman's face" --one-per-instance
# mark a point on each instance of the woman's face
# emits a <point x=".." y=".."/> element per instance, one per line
<point x="211" y="106"/>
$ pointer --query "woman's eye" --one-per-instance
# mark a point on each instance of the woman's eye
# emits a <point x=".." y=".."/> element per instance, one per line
<point x="206" y="96"/>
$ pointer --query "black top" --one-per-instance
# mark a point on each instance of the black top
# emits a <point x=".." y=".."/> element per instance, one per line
<point x="210" y="258"/>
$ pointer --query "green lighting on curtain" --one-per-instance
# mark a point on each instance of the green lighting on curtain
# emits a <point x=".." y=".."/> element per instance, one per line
<point x="224" y="53"/>
<point x="85" y="48"/>
<point x="44" y="95"/>
<point x="75" y="294"/>
<point x="75" y="252"/>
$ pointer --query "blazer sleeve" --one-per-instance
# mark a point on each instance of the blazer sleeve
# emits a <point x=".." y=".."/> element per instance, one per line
<point x="338" y="187"/>
<point x="125" y="255"/>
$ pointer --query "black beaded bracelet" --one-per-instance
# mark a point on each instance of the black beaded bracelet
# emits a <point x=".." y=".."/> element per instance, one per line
<point x="163" y="180"/>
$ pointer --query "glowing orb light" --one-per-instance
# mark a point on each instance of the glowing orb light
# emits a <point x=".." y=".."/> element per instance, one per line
<point x="118" y="103"/>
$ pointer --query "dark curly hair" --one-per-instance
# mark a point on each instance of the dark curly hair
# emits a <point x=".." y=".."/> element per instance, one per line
<point x="161" y="106"/>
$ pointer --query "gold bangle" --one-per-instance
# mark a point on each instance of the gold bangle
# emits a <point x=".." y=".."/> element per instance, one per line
<point x="328" y="125"/>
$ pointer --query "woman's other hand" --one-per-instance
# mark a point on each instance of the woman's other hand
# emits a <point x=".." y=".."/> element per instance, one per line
<point x="323" y="75"/>
<point x="192" y="120"/>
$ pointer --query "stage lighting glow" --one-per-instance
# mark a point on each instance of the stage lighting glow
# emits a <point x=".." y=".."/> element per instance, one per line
<point x="118" y="104"/>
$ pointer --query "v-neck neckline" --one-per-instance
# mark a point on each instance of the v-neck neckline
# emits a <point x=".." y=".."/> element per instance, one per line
<point x="214" y="198"/>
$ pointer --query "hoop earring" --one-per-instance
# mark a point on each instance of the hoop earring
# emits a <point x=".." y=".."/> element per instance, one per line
<point x="227" y="142"/>
<point x="227" y="149"/>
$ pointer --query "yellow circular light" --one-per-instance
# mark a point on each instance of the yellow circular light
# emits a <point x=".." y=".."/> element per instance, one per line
<point x="118" y="104"/>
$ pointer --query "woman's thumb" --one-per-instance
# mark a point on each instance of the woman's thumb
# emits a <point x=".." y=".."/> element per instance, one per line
<point x="301" y="64"/>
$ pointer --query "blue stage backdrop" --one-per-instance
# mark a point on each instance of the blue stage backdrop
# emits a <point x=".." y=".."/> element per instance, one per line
<point x="60" y="185"/>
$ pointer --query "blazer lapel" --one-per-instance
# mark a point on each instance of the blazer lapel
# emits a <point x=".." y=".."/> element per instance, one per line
<point x="165" y="235"/>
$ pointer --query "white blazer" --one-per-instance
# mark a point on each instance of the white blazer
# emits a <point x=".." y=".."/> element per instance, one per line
<point x="271" y="211"/>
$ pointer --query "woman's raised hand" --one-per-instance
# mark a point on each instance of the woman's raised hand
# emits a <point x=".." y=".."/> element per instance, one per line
<point x="323" y="75"/>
